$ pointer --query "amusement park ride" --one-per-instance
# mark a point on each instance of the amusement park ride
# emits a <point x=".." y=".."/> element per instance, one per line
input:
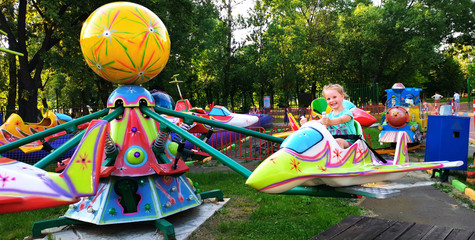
<point x="126" y="169"/>
<point x="217" y="113"/>
<point x="15" y="129"/>
<point x="404" y="114"/>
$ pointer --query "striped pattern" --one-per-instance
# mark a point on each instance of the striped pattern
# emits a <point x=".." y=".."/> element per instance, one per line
<point x="392" y="137"/>
<point x="436" y="106"/>
<point x="465" y="114"/>
<point x="453" y="107"/>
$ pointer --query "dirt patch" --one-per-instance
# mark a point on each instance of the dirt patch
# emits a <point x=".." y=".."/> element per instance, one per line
<point x="236" y="210"/>
<point x="215" y="165"/>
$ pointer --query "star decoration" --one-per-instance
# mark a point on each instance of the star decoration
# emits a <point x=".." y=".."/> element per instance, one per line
<point x="337" y="153"/>
<point x="295" y="165"/>
<point x="4" y="179"/>
<point x="132" y="90"/>
<point x="323" y="169"/>
<point x="134" y="130"/>
<point x="84" y="161"/>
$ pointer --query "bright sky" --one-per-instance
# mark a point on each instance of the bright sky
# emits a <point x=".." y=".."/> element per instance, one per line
<point x="242" y="7"/>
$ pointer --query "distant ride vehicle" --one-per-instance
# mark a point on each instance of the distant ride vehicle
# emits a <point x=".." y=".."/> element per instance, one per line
<point x="405" y="113"/>
<point x="15" y="129"/>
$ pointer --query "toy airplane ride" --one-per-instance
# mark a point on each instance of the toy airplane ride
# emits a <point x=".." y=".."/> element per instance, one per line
<point x="311" y="156"/>
<point x="217" y="113"/>
<point x="24" y="187"/>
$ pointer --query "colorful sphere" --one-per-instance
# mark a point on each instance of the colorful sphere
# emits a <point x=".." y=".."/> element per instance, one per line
<point x="125" y="43"/>
<point x="397" y="117"/>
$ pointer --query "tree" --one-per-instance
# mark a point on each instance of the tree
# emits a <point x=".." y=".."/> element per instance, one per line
<point x="398" y="42"/>
<point x="446" y="77"/>
<point x="47" y="32"/>
<point x="207" y="48"/>
<point x="34" y="28"/>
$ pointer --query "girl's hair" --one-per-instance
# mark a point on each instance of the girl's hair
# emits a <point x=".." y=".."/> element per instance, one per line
<point x="337" y="87"/>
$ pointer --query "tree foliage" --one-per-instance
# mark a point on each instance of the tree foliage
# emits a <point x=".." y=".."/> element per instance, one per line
<point x="292" y="48"/>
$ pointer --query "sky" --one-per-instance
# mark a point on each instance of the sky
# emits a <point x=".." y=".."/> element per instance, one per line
<point x="242" y="7"/>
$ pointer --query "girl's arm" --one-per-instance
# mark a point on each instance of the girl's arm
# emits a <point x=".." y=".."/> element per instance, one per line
<point x="335" y="121"/>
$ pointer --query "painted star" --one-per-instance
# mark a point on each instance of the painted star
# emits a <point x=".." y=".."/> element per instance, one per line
<point x="295" y="165"/>
<point x="4" y="179"/>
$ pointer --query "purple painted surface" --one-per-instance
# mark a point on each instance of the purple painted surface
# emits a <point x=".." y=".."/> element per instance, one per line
<point x="265" y="120"/>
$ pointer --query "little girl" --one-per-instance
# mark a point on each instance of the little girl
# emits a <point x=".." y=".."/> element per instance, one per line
<point x="339" y="120"/>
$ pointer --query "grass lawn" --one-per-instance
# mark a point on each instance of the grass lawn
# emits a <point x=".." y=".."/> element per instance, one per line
<point x="254" y="215"/>
<point x="249" y="214"/>
<point x="19" y="225"/>
<point x="374" y="137"/>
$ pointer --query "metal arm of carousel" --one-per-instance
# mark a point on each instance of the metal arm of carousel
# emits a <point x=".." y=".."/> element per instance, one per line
<point x="310" y="191"/>
<point x="245" y="131"/>
<point x="73" y="141"/>
<point x="68" y="127"/>
<point x="188" y="136"/>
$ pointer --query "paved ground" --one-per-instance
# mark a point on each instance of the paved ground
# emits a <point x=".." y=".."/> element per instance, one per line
<point x="422" y="203"/>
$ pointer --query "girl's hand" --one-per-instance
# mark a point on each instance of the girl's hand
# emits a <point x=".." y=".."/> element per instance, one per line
<point x="303" y="120"/>
<point x="325" y="120"/>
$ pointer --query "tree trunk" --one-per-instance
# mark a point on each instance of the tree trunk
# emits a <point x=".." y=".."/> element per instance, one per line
<point x="227" y="66"/>
<point x="251" y="96"/>
<point x="27" y="97"/>
<point x="27" y="88"/>
<point x="209" y="95"/>
<point x="105" y="88"/>
<point x="12" y="85"/>
<point x="314" y="89"/>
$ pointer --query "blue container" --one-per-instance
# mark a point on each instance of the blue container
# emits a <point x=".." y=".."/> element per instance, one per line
<point x="447" y="139"/>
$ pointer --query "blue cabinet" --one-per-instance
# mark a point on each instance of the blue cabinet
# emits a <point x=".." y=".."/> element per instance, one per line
<point x="447" y="139"/>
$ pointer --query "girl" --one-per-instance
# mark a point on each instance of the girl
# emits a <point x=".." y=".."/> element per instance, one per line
<point x="339" y="120"/>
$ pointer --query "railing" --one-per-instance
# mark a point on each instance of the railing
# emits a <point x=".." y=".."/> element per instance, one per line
<point x="280" y="113"/>
<point x="240" y="146"/>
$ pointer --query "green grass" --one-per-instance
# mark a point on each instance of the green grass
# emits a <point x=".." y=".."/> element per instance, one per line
<point x="462" y="177"/>
<point x="249" y="214"/>
<point x="268" y="216"/>
<point x="374" y="134"/>
<point x="456" y="194"/>
<point x="19" y="225"/>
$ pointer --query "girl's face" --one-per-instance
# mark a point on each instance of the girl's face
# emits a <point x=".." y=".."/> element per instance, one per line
<point x="334" y="98"/>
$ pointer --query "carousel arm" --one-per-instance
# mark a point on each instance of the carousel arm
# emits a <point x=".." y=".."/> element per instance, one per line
<point x="74" y="141"/>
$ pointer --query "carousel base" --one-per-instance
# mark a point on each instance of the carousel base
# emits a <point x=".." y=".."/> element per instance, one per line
<point x="184" y="223"/>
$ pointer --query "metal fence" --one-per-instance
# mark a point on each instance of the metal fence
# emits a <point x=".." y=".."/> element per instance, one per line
<point x="363" y="93"/>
